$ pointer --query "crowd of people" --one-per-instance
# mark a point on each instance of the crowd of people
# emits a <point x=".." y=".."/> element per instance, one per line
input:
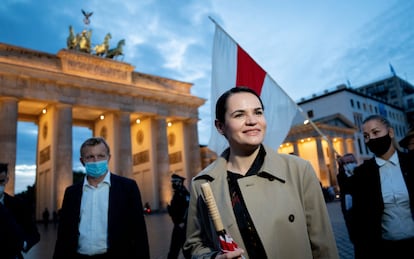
<point x="270" y="205"/>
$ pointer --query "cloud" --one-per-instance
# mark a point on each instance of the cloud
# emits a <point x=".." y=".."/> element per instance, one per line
<point x="305" y="46"/>
<point x="25" y="176"/>
<point x="383" y="40"/>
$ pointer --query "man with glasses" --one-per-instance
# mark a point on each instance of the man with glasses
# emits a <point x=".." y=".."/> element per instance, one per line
<point x="101" y="217"/>
<point x="18" y="230"/>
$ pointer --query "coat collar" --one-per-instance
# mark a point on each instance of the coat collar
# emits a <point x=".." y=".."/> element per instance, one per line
<point x="270" y="168"/>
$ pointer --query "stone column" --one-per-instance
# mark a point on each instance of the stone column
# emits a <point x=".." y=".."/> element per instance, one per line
<point x="8" y="137"/>
<point x="295" y="148"/>
<point x="349" y="145"/>
<point x="161" y="160"/>
<point x="192" y="149"/>
<point x="122" y="142"/>
<point x="63" y="175"/>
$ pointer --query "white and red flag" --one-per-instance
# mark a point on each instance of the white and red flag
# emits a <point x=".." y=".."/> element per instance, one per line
<point x="232" y="66"/>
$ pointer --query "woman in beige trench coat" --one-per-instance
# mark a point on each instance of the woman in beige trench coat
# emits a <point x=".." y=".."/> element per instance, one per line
<point x="271" y="204"/>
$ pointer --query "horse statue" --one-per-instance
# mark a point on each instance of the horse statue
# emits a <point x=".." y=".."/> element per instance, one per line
<point x="71" y="41"/>
<point x="112" y="53"/>
<point x="102" y="49"/>
<point x="84" y="41"/>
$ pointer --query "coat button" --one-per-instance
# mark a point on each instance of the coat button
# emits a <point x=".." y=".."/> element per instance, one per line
<point x="291" y="218"/>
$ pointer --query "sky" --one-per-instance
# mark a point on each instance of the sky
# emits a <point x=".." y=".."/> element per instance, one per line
<point x="305" y="46"/>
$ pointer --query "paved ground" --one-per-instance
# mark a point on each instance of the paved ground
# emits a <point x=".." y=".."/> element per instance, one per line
<point x="345" y="247"/>
<point x="159" y="233"/>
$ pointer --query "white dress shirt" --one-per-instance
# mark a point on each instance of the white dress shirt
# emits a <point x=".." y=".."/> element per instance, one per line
<point x="93" y="226"/>
<point x="397" y="221"/>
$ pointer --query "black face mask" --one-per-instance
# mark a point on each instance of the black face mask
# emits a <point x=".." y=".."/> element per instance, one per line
<point x="380" y="145"/>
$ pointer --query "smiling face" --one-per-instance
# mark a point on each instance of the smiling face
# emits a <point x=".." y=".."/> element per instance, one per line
<point x="244" y="123"/>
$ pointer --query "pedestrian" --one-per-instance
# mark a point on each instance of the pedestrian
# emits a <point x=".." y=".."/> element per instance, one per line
<point x="147" y="208"/>
<point x="177" y="209"/>
<point x="102" y="216"/>
<point x="271" y="204"/>
<point x="45" y="216"/>
<point x="408" y="141"/>
<point x="346" y="166"/>
<point x="18" y="229"/>
<point x="383" y="196"/>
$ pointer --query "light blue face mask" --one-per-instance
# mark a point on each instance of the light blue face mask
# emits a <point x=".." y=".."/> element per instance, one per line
<point x="349" y="168"/>
<point x="96" y="169"/>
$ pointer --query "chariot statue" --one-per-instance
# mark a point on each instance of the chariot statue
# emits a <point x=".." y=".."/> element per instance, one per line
<point x="71" y="41"/>
<point x="102" y="49"/>
<point x="82" y="42"/>
<point x="112" y="53"/>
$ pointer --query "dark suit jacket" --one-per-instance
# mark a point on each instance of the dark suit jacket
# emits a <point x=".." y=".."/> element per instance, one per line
<point x="23" y="215"/>
<point x="368" y="204"/>
<point x="11" y="237"/>
<point x="127" y="233"/>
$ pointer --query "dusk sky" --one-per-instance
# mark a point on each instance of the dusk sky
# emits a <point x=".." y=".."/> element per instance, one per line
<point x="306" y="46"/>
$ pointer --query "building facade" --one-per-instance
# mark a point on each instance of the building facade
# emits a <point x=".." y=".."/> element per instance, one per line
<point x="150" y="122"/>
<point x="336" y="118"/>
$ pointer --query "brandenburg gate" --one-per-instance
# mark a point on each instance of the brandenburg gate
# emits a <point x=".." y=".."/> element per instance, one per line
<point x="150" y="122"/>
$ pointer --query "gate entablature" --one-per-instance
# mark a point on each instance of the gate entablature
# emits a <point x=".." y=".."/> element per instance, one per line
<point x="38" y="76"/>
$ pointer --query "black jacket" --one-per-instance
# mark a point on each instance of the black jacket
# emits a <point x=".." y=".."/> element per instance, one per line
<point x="368" y="204"/>
<point x="179" y="205"/>
<point x="127" y="233"/>
<point x="24" y="218"/>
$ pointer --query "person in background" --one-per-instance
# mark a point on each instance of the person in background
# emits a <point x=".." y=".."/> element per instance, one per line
<point x="177" y="210"/>
<point x="102" y="216"/>
<point x="147" y="208"/>
<point x="45" y="216"/>
<point x="346" y="166"/>
<point x="408" y="141"/>
<point x="17" y="219"/>
<point x="382" y="191"/>
<point x="271" y="204"/>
